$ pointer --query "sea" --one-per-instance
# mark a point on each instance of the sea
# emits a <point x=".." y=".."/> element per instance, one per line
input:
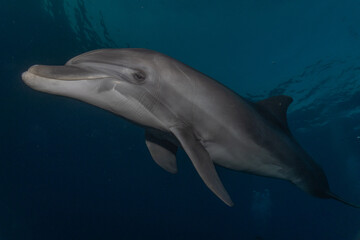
<point x="69" y="170"/>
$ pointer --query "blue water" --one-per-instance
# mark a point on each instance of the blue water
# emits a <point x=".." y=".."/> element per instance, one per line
<point x="69" y="170"/>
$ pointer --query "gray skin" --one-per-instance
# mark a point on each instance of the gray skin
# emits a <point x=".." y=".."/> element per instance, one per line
<point x="181" y="107"/>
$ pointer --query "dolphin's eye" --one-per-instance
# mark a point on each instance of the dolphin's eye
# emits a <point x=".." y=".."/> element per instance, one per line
<point x="139" y="76"/>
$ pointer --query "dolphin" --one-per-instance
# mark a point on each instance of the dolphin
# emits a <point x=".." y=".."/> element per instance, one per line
<point x="180" y="107"/>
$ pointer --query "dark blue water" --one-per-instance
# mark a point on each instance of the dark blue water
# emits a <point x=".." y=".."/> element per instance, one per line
<point x="69" y="170"/>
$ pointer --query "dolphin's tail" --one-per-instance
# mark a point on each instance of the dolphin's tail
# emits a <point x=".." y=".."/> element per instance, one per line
<point x="333" y="196"/>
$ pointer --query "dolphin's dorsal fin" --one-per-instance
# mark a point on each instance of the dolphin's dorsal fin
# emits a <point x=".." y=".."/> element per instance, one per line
<point x="276" y="108"/>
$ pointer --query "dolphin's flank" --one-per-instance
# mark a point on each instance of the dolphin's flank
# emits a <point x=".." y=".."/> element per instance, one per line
<point x="181" y="107"/>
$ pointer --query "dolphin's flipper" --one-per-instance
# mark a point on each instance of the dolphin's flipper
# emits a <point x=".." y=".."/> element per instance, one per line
<point x="162" y="151"/>
<point x="202" y="162"/>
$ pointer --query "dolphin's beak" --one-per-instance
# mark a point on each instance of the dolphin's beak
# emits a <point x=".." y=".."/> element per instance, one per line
<point x="51" y="79"/>
<point x="65" y="73"/>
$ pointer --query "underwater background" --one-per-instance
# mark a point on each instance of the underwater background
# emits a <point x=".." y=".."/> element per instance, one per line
<point x="69" y="170"/>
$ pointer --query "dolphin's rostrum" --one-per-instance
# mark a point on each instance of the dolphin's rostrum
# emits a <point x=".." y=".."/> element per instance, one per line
<point x="181" y="107"/>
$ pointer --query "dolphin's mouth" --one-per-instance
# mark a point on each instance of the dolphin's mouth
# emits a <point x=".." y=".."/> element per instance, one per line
<point x="65" y="73"/>
<point x="50" y="78"/>
<point x="40" y="83"/>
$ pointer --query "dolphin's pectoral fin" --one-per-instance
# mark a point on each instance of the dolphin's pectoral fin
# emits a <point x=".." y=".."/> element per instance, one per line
<point x="162" y="151"/>
<point x="276" y="107"/>
<point x="202" y="162"/>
